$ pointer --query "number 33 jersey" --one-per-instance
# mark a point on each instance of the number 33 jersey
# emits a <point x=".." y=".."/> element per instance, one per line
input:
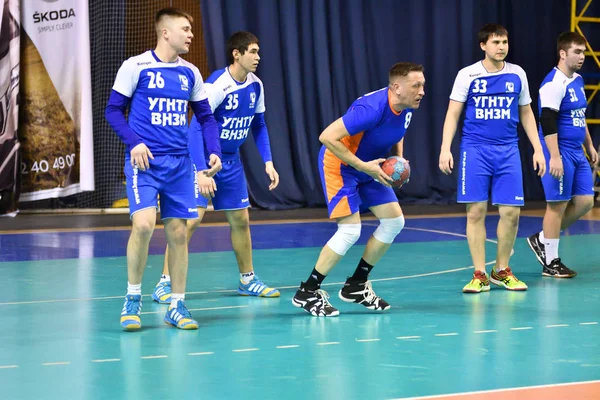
<point x="492" y="101"/>
<point x="159" y="94"/>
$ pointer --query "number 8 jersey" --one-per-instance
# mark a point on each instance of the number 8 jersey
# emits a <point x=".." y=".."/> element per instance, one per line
<point x="492" y="103"/>
<point x="159" y="95"/>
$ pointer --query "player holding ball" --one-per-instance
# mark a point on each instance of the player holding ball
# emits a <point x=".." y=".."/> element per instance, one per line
<point x="353" y="181"/>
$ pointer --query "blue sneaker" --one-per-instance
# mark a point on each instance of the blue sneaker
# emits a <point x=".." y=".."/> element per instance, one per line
<point x="130" y="315"/>
<point x="162" y="292"/>
<point x="256" y="287"/>
<point x="180" y="317"/>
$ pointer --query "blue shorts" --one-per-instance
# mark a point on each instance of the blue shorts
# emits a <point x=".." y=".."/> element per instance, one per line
<point x="577" y="179"/>
<point x="348" y="191"/>
<point x="490" y="167"/>
<point x="232" y="190"/>
<point x="171" y="177"/>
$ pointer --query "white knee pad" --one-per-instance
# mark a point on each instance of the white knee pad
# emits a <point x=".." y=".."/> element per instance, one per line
<point x="388" y="229"/>
<point x="344" y="238"/>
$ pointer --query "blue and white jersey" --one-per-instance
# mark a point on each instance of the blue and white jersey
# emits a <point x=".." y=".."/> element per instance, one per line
<point x="159" y="94"/>
<point x="566" y="96"/>
<point x="492" y="103"/>
<point x="234" y="105"/>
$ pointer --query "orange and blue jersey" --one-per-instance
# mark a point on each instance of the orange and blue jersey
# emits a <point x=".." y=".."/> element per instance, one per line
<point x="374" y="127"/>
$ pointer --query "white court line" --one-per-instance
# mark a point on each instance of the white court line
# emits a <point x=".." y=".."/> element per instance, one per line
<point x="107" y="360"/>
<point x="488" y="331"/>
<point x="8" y="366"/>
<point x="521" y="328"/>
<point x="244" y="350"/>
<point x="48" y="364"/>
<point x="367" y="340"/>
<point x="443" y="396"/>
<point x="282" y="287"/>
<point x="408" y="337"/>
<point x="557" y="326"/>
<point x="204" y="353"/>
<point x="588" y="323"/>
<point x="447" y="334"/>
<point x="197" y="309"/>
<point x="327" y="343"/>
<point x="289" y="346"/>
<point x="153" y="357"/>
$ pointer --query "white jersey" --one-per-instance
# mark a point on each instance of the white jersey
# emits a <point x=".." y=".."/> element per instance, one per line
<point x="159" y="94"/>
<point x="492" y="103"/>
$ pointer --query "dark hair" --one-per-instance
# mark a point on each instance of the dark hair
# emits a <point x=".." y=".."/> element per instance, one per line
<point x="172" y="12"/>
<point x="566" y="39"/>
<point x="239" y="41"/>
<point x="404" y="68"/>
<point x="489" y="30"/>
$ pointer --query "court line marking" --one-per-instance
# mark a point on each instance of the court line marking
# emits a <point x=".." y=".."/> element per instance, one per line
<point x="367" y="340"/>
<point x="486" y="331"/>
<point x="284" y="287"/>
<point x="588" y="323"/>
<point x="557" y="326"/>
<point x="521" y="328"/>
<point x="197" y="309"/>
<point x="447" y="334"/>
<point x="154" y="357"/>
<point x="327" y="343"/>
<point x="49" y="364"/>
<point x="407" y="337"/>
<point x="203" y="353"/>
<point x="288" y="346"/>
<point x="8" y="366"/>
<point x="245" y="350"/>
<point x="440" y="396"/>
<point x="107" y="360"/>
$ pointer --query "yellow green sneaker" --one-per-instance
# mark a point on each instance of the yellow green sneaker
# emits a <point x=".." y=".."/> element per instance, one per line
<point x="479" y="283"/>
<point x="507" y="279"/>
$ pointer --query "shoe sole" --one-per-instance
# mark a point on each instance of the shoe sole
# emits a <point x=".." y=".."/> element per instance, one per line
<point x="535" y="253"/>
<point x="300" y="305"/>
<point x="559" y="276"/>
<point x="161" y="302"/>
<point x="372" y="308"/>
<point x="258" y="295"/>
<point x="484" y="289"/>
<point x="500" y="283"/>
<point x="188" y="327"/>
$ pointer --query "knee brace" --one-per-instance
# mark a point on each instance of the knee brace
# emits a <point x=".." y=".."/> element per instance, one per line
<point x="344" y="238"/>
<point x="388" y="229"/>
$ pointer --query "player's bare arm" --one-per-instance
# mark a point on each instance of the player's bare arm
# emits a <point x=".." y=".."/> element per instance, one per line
<point x="528" y="121"/>
<point x="399" y="148"/>
<point x="331" y="137"/>
<point x="446" y="162"/>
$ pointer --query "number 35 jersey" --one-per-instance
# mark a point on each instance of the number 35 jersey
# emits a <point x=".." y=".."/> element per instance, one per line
<point x="159" y="94"/>
<point x="566" y="96"/>
<point x="234" y="105"/>
<point x="492" y="101"/>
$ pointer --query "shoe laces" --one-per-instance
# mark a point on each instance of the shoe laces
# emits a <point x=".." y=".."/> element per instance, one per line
<point x="182" y="309"/>
<point x="132" y="306"/>
<point x="370" y="296"/>
<point x="323" y="296"/>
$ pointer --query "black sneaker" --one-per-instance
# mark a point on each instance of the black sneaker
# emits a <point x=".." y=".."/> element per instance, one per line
<point x="538" y="248"/>
<point x="315" y="302"/>
<point x="557" y="269"/>
<point x="362" y="293"/>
